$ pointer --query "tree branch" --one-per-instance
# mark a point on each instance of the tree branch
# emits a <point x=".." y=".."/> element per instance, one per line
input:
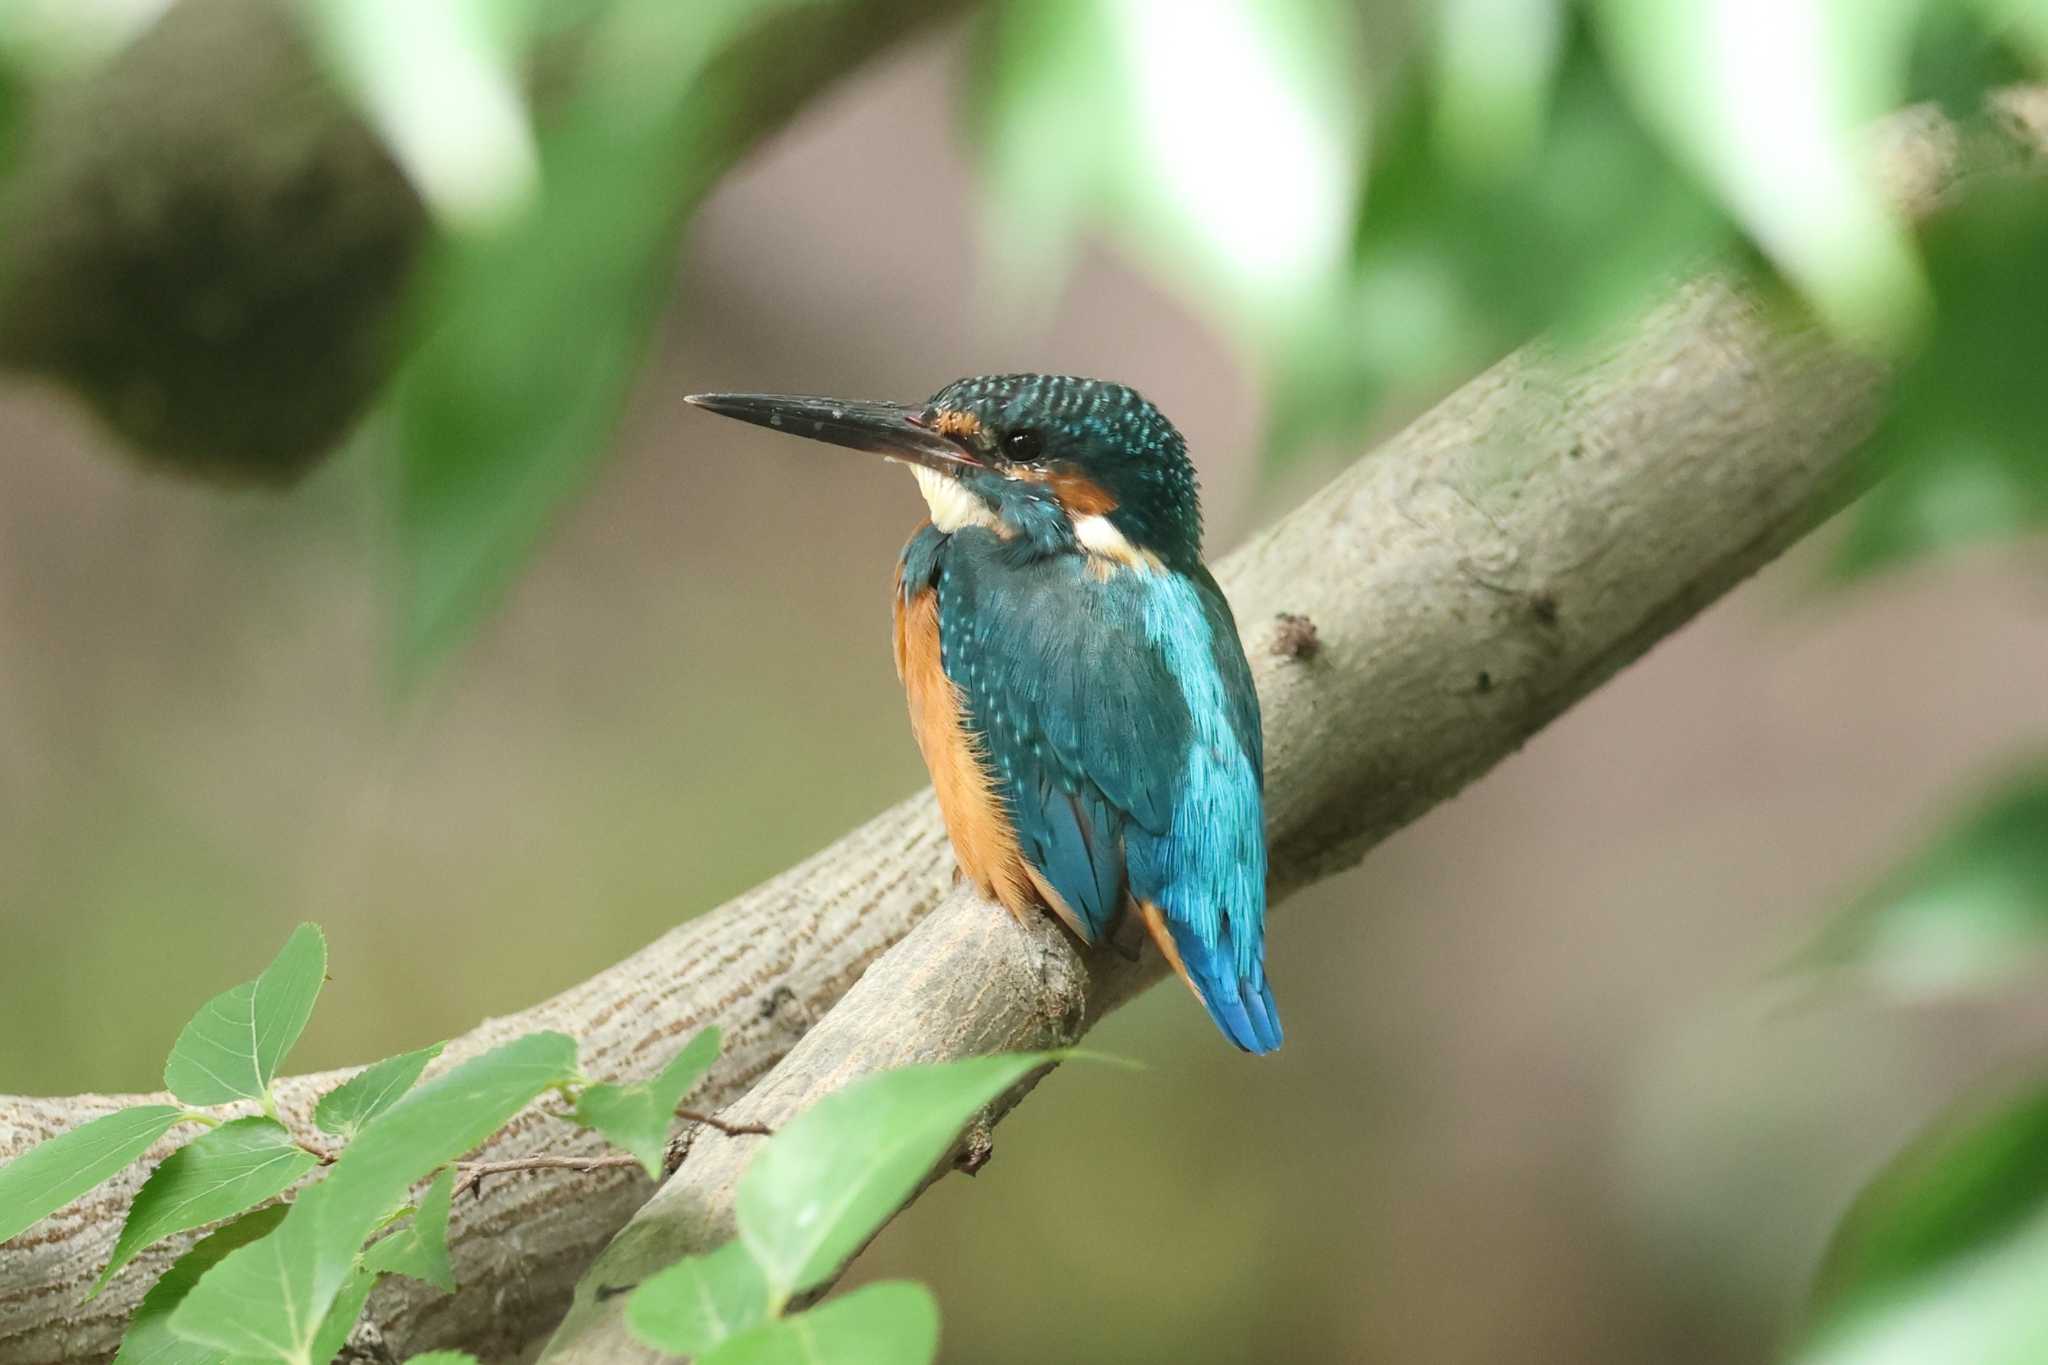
<point x="1490" y="566"/>
<point x="1497" y="561"/>
<point x="763" y="968"/>
<point x="1409" y="627"/>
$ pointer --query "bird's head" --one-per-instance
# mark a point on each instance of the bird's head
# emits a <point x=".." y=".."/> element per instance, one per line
<point x="1054" y="459"/>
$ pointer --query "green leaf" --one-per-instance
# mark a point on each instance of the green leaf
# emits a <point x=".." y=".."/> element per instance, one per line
<point x="834" y="1174"/>
<point x="441" y="83"/>
<point x="1944" y="1254"/>
<point x="51" y="1174"/>
<point x="342" y="1314"/>
<point x="1970" y="909"/>
<point x="1769" y="103"/>
<point x="265" y="1301"/>
<point x="149" y="1340"/>
<point x="891" y="1323"/>
<point x="420" y="1248"/>
<point x="1958" y="61"/>
<point x="217" y="1175"/>
<point x="1960" y="449"/>
<point x="449" y="1116"/>
<point x="638" y="1117"/>
<point x="269" y="1300"/>
<point x="343" y="1110"/>
<point x="695" y="1304"/>
<point x="533" y="331"/>
<point x="234" y="1046"/>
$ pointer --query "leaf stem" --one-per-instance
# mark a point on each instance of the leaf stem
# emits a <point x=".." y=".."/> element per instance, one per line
<point x="270" y="1106"/>
<point x="470" y="1174"/>
<point x="725" y="1126"/>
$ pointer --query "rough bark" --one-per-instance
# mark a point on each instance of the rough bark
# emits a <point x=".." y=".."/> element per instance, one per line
<point x="1494" y="563"/>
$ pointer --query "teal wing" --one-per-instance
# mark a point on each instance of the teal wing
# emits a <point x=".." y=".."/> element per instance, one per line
<point x="1119" y="720"/>
<point x="1080" y="719"/>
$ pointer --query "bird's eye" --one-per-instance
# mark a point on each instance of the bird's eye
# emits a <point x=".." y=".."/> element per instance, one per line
<point x="1023" y="445"/>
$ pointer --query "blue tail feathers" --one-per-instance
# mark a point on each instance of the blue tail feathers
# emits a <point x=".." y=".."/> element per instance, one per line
<point x="1249" y="1017"/>
<point x="1241" y="1005"/>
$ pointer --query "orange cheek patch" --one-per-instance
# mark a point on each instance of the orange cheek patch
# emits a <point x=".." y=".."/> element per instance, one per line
<point x="1079" y="494"/>
<point x="961" y="426"/>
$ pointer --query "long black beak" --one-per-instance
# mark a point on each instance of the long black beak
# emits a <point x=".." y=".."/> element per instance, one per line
<point x="891" y="429"/>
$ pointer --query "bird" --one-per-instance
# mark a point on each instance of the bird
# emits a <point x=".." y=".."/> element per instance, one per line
<point x="1073" y="672"/>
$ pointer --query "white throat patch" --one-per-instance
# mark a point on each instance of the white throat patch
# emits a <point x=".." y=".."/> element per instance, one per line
<point x="951" y="504"/>
<point x="1099" y="536"/>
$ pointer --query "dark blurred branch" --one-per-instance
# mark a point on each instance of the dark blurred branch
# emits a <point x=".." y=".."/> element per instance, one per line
<point x="207" y="247"/>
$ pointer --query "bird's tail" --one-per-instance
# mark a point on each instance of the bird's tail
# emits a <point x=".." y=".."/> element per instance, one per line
<point x="1241" y="1003"/>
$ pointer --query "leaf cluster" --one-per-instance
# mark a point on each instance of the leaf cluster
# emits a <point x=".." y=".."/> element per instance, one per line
<point x="302" y="1229"/>
<point x="821" y="1188"/>
<point x="286" y="1281"/>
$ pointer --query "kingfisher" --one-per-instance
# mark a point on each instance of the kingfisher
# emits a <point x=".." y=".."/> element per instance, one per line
<point x="1074" y="676"/>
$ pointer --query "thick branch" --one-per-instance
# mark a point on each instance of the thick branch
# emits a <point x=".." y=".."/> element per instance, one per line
<point x="1490" y="566"/>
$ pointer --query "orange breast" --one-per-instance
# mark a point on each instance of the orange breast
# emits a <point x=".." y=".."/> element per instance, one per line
<point x="983" y="838"/>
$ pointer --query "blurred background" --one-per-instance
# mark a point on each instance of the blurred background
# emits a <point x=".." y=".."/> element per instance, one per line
<point x="1551" y="1092"/>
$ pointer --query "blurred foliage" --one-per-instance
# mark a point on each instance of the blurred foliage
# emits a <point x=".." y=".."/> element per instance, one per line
<point x="70" y="36"/>
<point x="1372" y="201"/>
<point x="11" y="97"/>
<point x="534" y="326"/>
<point x="1514" y="165"/>
<point x="1957" y="56"/>
<point x="1221" y="143"/>
<point x="442" y="83"/>
<point x="1964" y="447"/>
<point x="1461" y="260"/>
<point x="1768" y="103"/>
<point x="1970" y="909"/>
<point x="287" y="1283"/>
<point x="1944" y="1255"/>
